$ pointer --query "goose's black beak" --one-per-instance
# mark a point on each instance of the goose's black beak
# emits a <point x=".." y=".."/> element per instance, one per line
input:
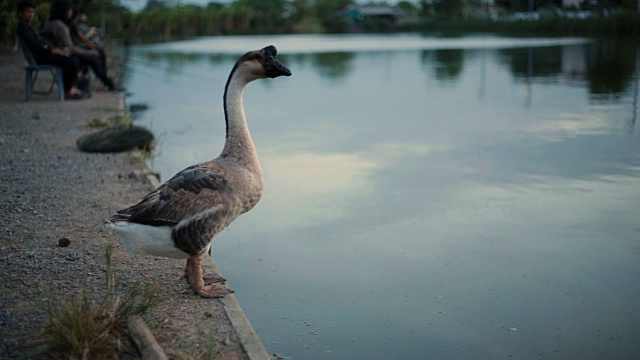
<point x="272" y="66"/>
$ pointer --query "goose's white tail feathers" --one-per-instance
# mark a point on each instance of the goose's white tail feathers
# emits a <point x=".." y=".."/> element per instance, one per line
<point x="147" y="239"/>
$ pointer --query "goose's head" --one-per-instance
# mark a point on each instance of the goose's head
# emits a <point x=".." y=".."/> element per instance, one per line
<point x="261" y="64"/>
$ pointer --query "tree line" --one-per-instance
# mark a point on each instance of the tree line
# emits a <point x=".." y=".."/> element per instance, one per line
<point x="162" y="19"/>
<point x="165" y="19"/>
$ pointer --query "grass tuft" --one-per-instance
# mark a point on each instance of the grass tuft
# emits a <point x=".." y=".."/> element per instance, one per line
<point x="78" y="329"/>
<point x="140" y="155"/>
<point x="110" y="121"/>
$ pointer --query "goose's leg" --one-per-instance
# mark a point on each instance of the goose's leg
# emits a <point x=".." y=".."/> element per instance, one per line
<point x="209" y="278"/>
<point x="188" y="274"/>
<point x="198" y="285"/>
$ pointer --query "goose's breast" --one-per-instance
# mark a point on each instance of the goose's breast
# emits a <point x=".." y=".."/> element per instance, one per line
<point x="249" y="186"/>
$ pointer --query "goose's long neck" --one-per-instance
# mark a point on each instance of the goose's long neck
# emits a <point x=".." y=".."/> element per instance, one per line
<point x="238" y="143"/>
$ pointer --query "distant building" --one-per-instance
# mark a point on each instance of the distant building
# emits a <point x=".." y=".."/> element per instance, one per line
<point x="373" y="17"/>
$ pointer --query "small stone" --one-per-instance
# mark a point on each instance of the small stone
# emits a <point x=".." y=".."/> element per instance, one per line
<point x="64" y="242"/>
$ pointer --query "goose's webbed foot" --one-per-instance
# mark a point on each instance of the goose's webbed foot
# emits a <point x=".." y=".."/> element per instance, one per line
<point x="212" y="278"/>
<point x="213" y="291"/>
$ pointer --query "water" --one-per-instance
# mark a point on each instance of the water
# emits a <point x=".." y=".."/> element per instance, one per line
<point x="426" y="198"/>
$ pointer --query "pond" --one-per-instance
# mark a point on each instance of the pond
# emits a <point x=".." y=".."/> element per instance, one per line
<point x="425" y="198"/>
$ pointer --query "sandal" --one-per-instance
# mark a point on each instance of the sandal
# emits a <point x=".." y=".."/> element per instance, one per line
<point x="79" y="96"/>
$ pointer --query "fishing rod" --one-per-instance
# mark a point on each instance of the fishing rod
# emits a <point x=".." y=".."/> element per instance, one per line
<point x="144" y="67"/>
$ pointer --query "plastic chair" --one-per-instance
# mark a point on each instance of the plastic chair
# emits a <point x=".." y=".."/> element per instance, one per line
<point x="31" y="70"/>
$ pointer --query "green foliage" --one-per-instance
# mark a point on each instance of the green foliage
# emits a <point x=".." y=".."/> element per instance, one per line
<point x="9" y="18"/>
<point x="241" y="17"/>
<point x="408" y="7"/>
<point x="238" y="17"/>
<point x="328" y="14"/>
<point x="43" y="11"/>
<point x="626" y="24"/>
<point x="303" y="18"/>
<point x="450" y="8"/>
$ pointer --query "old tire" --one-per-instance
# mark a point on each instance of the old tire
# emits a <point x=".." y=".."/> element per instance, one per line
<point x="116" y="139"/>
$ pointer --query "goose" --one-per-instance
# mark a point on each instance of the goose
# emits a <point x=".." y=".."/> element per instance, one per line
<point x="181" y="217"/>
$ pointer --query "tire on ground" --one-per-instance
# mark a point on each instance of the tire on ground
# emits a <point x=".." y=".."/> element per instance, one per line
<point x="116" y="139"/>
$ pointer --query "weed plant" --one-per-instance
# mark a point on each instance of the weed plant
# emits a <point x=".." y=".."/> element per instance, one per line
<point x="78" y="329"/>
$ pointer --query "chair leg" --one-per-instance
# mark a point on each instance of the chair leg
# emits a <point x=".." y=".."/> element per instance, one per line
<point x="60" y="82"/>
<point x="54" y="73"/>
<point x="30" y="77"/>
<point x="27" y="84"/>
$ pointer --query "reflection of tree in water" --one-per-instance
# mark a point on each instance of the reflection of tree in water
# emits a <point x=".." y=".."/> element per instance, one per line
<point x="610" y="68"/>
<point x="609" y="65"/>
<point x="333" y="65"/>
<point x="217" y="59"/>
<point x="447" y="65"/>
<point x="533" y="62"/>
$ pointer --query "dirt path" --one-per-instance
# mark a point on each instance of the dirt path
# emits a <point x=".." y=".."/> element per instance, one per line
<point x="50" y="190"/>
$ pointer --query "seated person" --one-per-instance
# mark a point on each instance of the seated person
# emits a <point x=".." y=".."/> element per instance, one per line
<point x="60" y="26"/>
<point x="45" y="53"/>
<point x="87" y="37"/>
<point x="88" y="34"/>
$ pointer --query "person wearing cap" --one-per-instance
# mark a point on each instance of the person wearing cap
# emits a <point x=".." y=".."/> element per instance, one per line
<point x="60" y="26"/>
<point x="46" y="53"/>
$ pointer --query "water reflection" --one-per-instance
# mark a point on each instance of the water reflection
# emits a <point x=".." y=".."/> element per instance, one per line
<point x="607" y="66"/>
<point x="333" y="65"/>
<point x="534" y="62"/>
<point x="403" y="218"/>
<point x="610" y="69"/>
<point x="447" y="65"/>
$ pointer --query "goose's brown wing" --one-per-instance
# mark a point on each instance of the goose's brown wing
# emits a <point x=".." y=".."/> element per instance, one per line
<point x="194" y="190"/>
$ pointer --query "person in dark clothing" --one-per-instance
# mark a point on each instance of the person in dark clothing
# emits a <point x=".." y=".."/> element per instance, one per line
<point x="45" y="52"/>
<point x="62" y="29"/>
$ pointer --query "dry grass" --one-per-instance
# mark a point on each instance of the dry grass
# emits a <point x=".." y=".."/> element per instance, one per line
<point x="109" y="121"/>
<point x="78" y="329"/>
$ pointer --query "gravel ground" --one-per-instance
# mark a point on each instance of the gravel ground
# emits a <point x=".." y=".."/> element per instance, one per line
<point x="49" y="190"/>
